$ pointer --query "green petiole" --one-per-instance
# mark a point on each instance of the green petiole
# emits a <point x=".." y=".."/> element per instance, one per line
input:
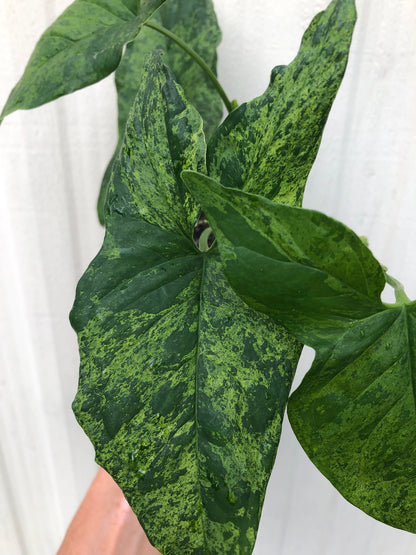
<point x="230" y="105"/>
<point x="399" y="292"/>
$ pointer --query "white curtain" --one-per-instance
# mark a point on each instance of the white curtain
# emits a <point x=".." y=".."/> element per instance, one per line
<point x="52" y="160"/>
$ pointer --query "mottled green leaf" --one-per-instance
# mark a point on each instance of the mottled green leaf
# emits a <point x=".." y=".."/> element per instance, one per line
<point x="355" y="415"/>
<point x="268" y="145"/>
<point x="194" y="21"/>
<point x="297" y="265"/>
<point x="355" y="411"/>
<point x="81" y="47"/>
<point x="182" y="387"/>
<point x="127" y="78"/>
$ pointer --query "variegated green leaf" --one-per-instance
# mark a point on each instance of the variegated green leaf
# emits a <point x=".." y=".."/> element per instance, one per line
<point x="81" y="47"/>
<point x="127" y="77"/>
<point x="268" y="145"/>
<point x="298" y="265"/>
<point x="355" y="415"/>
<point x="182" y="387"/>
<point x="355" y="411"/>
<point x="194" y="21"/>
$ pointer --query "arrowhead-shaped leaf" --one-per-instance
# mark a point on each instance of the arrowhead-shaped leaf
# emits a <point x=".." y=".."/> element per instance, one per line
<point x="295" y="264"/>
<point x="268" y="145"/>
<point x="355" y="415"/>
<point x="182" y="387"/>
<point x="196" y="24"/>
<point x="81" y="47"/>
<point x="355" y="411"/>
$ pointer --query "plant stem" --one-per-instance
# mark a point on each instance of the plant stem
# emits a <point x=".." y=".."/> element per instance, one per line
<point x="197" y="58"/>
<point x="401" y="297"/>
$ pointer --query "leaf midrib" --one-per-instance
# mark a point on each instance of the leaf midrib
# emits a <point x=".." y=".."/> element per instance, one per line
<point x="312" y="268"/>
<point x="167" y="263"/>
<point x="331" y="349"/>
<point x="79" y="44"/>
<point x="203" y="515"/>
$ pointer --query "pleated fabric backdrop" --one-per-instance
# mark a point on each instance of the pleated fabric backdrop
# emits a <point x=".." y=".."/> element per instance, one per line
<point x="52" y="160"/>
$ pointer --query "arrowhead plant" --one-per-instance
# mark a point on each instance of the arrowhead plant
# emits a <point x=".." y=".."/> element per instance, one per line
<point x="211" y="277"/>
<point x="354" y="413"/>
